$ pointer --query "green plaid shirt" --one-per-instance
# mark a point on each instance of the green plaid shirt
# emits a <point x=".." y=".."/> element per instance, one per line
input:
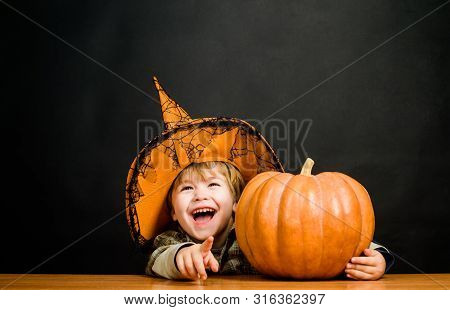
<point x="230" y="257"/>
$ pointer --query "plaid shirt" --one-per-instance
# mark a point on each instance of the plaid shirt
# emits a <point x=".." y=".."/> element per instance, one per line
<point x="230" y="257"/>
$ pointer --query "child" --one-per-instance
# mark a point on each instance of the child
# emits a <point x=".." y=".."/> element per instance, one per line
<point x="203" y="199"/>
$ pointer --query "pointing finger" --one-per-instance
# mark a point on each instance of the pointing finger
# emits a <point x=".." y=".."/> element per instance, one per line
<point x="206" y="246"/>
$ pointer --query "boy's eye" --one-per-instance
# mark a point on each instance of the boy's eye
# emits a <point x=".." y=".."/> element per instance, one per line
<point x="214" y="184"/>
<point x="186" y="188"/>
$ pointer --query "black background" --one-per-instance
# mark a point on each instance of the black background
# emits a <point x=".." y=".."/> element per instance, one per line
<point x="69" y="126"/>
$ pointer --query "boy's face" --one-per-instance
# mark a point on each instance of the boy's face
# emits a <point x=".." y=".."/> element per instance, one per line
<point x="203" y="208"/>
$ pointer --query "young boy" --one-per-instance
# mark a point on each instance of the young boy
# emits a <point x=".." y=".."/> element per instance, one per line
<point x="202" y="202"/>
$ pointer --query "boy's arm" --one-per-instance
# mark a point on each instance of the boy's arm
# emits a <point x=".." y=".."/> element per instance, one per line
<point x="162" y="260"/>
<point x="164" y="264"/>
<point x="388" y="257"/>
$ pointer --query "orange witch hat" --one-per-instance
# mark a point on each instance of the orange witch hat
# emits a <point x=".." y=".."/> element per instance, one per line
<point x="185" y="141"/>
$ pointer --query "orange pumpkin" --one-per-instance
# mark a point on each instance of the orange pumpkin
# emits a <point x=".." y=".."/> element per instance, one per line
<point x="303" y="226"/>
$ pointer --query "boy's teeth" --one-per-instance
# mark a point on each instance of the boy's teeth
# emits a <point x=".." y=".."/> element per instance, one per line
<point x="203" y="210"/>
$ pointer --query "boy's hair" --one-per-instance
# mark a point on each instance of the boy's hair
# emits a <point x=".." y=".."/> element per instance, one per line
<point x="232" y="175"/>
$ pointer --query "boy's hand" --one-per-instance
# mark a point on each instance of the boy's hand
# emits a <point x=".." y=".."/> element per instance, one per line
<point x="370" y="267"/>
<point x="192" y="260"/>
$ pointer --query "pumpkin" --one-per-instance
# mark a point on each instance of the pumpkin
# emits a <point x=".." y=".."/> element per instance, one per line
<point x="303" y="226"/>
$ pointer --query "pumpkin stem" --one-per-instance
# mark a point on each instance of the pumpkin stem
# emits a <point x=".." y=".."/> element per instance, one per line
<point x="307" y="167"/>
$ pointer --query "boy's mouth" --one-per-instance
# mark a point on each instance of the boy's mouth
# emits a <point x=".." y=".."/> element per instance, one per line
<point x="203" y="215"/>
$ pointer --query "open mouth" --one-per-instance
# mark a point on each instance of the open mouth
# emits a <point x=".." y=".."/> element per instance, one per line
<point x="203" y="215"/>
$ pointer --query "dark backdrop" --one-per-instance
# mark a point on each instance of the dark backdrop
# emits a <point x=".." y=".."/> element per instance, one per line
<point x="70" y="127"/>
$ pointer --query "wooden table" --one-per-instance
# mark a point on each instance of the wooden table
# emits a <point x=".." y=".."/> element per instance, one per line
<point x="142" y="282"/>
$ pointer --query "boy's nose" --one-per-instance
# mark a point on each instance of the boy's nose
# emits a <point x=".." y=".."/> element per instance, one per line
<point x="200" y="195"/>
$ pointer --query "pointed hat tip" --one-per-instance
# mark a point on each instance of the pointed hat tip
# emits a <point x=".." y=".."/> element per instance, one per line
<point x="173" y="114"/>
<point x="157" y="85"/>
<point x="155" y="80"/>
